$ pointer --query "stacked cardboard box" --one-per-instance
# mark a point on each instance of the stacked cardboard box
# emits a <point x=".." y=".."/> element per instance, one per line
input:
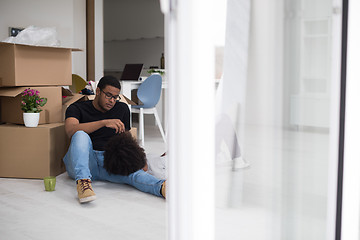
<point x="34" y="152"/>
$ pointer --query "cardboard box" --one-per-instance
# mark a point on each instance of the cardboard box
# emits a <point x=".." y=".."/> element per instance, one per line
<point x="24" y="65"/>
<point x="134" y="96"/>
<point x="126" y="100"/>
<point x="10" y="100"/>
<point x="133" y="132"/>
<point x="69" y="98"/>
<point x="52" y="112"/>
<point x="32" y="152"/>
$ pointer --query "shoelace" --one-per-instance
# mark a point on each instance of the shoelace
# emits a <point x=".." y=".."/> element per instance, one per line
<point x="85" y="184"/>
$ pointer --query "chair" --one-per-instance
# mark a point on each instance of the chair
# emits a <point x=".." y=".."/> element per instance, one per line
<point x="78" y="83"/>
<point x="148" y="93"/>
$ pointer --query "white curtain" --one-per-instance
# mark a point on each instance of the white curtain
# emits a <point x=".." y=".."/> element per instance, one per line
<point x="231" y="92"/>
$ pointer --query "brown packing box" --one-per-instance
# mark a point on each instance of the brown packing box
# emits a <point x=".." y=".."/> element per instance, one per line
<point x="133" y="132"/>
<point x="52" y="112"/>
<point x="24" y="65"/>
<point x="134" y="96"/>
<point x="32" y="152"/>
<point x="10" y="99"/>
<point x="126" y="100"/>
<point x="69" y="98"/>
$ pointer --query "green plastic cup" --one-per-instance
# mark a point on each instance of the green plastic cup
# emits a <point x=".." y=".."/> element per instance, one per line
<point x="49" y="183"/>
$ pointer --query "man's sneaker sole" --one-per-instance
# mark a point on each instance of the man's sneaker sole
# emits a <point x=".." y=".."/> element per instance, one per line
<point x="87" y="199"/>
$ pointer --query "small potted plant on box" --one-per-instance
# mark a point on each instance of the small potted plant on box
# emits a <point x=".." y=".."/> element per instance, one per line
<point x="30" y="104"/>
<point x="156" y="71"/>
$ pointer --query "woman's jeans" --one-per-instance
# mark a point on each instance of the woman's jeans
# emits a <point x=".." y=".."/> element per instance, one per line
<point x="82" y="162"/>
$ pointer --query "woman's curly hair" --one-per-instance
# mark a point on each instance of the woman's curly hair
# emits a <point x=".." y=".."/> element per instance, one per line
<point x="123" y="155"/>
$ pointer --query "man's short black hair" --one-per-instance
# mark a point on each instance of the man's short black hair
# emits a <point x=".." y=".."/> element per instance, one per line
<point x="123" y="155"/>
<point x="108" y="80"/>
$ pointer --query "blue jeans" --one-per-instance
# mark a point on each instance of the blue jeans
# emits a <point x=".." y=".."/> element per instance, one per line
<point x="82" y="162"/>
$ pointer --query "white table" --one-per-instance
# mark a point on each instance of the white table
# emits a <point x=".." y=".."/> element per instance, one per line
<point x="127" y="86"/>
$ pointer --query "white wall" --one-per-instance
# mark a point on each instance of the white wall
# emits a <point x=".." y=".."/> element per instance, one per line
<point x="79" y="37"/>
<point x="133" y="33"/>
<point x="68" y="16"/>
<point x="99" y="39"/>
<point x="119" y="53"/>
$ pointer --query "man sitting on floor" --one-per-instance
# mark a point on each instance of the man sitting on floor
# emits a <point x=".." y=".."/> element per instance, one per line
<point x="90" y="125"/>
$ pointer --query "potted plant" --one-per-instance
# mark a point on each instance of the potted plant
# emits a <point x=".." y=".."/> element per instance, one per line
<point x="156" y="71"/>
<point x="30" y="104"/>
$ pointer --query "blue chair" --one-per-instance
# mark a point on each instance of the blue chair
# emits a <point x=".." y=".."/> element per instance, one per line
<point x="148" y="93"/>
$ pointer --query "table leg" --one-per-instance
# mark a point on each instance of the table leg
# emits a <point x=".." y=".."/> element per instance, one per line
<point x="126" y="91"/>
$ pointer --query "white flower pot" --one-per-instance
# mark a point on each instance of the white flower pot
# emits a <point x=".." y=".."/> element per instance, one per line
<point x="31" y="119"/>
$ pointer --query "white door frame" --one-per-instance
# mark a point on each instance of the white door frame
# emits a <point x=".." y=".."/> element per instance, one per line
<point x="191" y="126"/>
<point x="190" y="69"/>
<point x="351" y="180"/>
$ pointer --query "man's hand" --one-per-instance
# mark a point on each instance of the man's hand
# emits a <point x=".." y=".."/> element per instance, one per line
<point x="115" y="124"/>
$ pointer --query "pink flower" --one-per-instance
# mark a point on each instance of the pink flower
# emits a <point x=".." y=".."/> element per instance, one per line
<point x="24" y="92"/>
<point x="31" y="99"/>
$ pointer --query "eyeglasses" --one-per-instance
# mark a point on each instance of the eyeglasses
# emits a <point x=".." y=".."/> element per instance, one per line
<point x="109" y="96"/>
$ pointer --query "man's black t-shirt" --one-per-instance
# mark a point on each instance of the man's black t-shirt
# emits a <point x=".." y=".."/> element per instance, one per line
<point x="86" y="112"/>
